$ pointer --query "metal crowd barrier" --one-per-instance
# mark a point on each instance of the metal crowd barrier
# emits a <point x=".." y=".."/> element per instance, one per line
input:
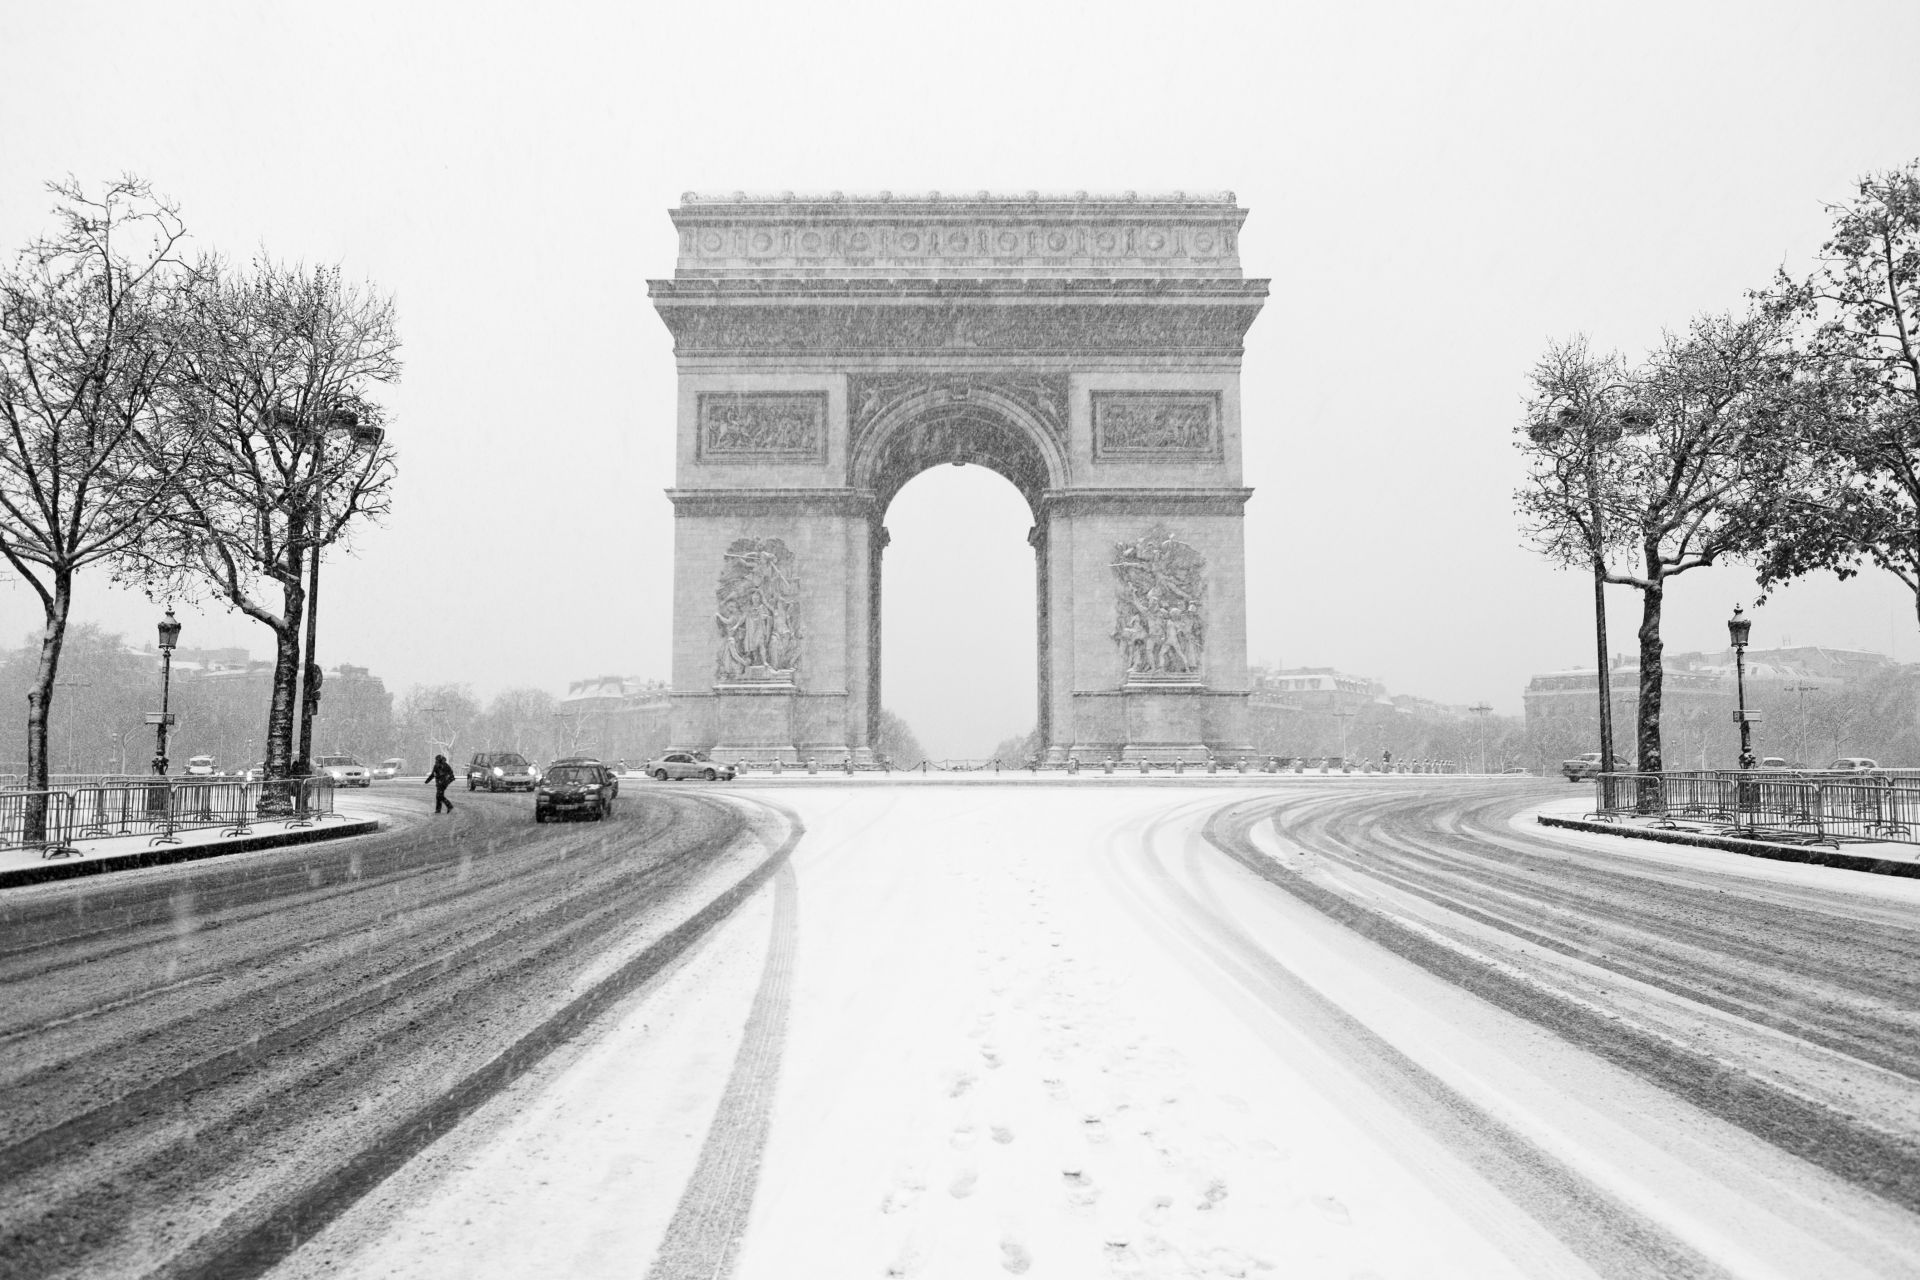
<point x="1803" y="808"/>
<point x="160" y="807"/>
<point x="57" y="826"/>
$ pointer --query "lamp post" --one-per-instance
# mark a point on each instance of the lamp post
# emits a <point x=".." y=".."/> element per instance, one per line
<point x="169" y="637"/>
<point x="1803" y="689"/>
<point x="1482" y="710"/>
<point x="1738" y="628"/>
<point x="1593" y="435"/>
<point x="363" y="436"/>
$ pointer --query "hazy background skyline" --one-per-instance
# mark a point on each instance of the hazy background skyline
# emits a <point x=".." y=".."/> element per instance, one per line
<point x="1435" y="192"/>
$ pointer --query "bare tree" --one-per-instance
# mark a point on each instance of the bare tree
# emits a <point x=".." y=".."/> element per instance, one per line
<point x="519" y="720"/>
<point x="435" y="719"/>
<point x="277" y="368"/>
<point x="1655" y="469"/>
<point x="86" y="343"/>
<point x="1858" y="316"/>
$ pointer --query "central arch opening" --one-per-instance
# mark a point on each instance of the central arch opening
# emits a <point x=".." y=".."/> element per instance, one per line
<point x="957" y="621"/>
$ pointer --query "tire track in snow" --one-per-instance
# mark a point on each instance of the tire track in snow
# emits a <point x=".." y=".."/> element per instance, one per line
<point x="1606" y="1234"/>
<point x="703" y="1239"/>
<point x="1883" y="1163"/>
<point x="251" y="1243"/>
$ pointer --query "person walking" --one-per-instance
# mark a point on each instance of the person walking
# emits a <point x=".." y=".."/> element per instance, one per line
<point x="442" y="775"/>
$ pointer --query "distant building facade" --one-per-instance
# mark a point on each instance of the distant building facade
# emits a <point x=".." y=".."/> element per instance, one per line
<point x="1801" y="693"/>
<point x="615" y="718"/>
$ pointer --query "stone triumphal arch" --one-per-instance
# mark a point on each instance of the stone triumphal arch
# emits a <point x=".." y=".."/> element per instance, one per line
<point x="1087" y="349"/>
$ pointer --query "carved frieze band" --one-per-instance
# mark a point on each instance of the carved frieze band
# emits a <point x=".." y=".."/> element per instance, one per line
<point x="1211" y="240"/>
<point x="763" y="426"/>
<point x="1156" y="426"/>
<point x="871" y="397"/>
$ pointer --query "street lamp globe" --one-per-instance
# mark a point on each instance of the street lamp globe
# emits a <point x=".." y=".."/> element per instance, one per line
<point x="1739" y="626"/>
<point x="169" y="631"/>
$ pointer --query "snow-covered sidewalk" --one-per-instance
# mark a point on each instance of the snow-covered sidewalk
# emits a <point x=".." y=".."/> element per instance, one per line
<point x="147" y="848"/>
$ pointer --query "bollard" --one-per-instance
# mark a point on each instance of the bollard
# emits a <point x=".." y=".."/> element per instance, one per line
<point x="812" y="767"/>
<point x="1273" y="764"/>
<point x="1179" y="765"/>
<point x="849" y="764"/>
<point x="1213" y="766"/>
<point x="1300" y="765"/>
<point x="1108" y="764"/>
<point x="1143" y="766"/>
<point x="776" y="764"/>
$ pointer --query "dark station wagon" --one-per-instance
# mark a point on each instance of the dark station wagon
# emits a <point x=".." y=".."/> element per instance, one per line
<point x="575" y="787"/>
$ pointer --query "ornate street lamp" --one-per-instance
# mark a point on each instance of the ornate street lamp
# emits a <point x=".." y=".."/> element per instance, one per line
<point x="169" y="638"/>
<point x="1739" y="626"/>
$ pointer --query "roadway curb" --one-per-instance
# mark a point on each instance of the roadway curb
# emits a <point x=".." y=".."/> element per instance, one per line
<point x="160" y="855"/>
<point x="1752" y="848"/>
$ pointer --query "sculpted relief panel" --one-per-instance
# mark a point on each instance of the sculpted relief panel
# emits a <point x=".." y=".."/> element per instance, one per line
<point x="1156" y="425"/>
<point x="1160" y="598"/>
<point x="763" y="426"/>
<point x="756" y="609"/>
<point x="870" y="397"/>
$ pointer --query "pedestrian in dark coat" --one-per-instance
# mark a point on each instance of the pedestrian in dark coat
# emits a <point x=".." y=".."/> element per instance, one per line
<point x="442" y="775"/>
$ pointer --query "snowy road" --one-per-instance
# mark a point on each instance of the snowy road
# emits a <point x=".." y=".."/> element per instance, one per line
<point x="200" y="1064"/>
<point x="1296" y="1027"/>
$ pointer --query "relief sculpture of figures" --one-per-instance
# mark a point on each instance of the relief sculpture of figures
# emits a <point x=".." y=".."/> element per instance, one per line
<point x="1160" y="594"/>
<point x="756" y="610"/>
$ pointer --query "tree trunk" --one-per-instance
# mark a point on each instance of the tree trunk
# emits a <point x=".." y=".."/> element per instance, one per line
<point x="39" y="703"/>
<point x="1647" y="720"/>
<point x="286" y="667"/>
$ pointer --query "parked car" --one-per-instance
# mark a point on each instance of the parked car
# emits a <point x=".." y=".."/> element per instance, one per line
<point x="1852" y="764"/>
<point x="389" y="768"/>
<point x="201" y="767"/>
<point x="1583" y="767"/>
<point x="676" y="765"/>
<point x="575" y="787"/>
<point x="344" y="770"/>
<point x="499" y="771"/>
<point x="613" y="777"/>
<point x="1778" y="764"/>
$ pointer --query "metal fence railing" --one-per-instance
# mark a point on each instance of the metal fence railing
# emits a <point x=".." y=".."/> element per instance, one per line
<point x="1800" y="807"/>
<point x="159" y="808"/>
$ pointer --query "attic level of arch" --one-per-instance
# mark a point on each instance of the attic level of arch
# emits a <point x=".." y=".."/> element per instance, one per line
<point x="1037" y="428"/>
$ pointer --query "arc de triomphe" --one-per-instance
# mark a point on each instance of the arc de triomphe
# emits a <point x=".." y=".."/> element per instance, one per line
<point x="831" y="349"/>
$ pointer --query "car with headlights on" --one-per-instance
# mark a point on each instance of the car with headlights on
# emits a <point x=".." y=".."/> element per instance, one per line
<point x="576" y="788"/>
<point x="500" y="771"/>
<point x="388" y="768"/>
<point x="676" y="765"/>
<point x="344" y="770"/>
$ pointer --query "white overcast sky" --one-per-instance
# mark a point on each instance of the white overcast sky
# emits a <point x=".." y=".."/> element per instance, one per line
<point x="1436" y="191"/>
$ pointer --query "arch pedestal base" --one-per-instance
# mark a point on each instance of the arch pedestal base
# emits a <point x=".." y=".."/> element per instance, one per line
<point x="753" y="722"/>
<point x="1159" y="720"/>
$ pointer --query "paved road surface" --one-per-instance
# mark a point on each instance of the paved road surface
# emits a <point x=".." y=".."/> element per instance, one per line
<point x="199" y="1065"/>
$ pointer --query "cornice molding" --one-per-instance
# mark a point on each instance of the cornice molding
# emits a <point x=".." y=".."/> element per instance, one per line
<point x="1115" y="501"/>
<point x="779" y="502"/>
